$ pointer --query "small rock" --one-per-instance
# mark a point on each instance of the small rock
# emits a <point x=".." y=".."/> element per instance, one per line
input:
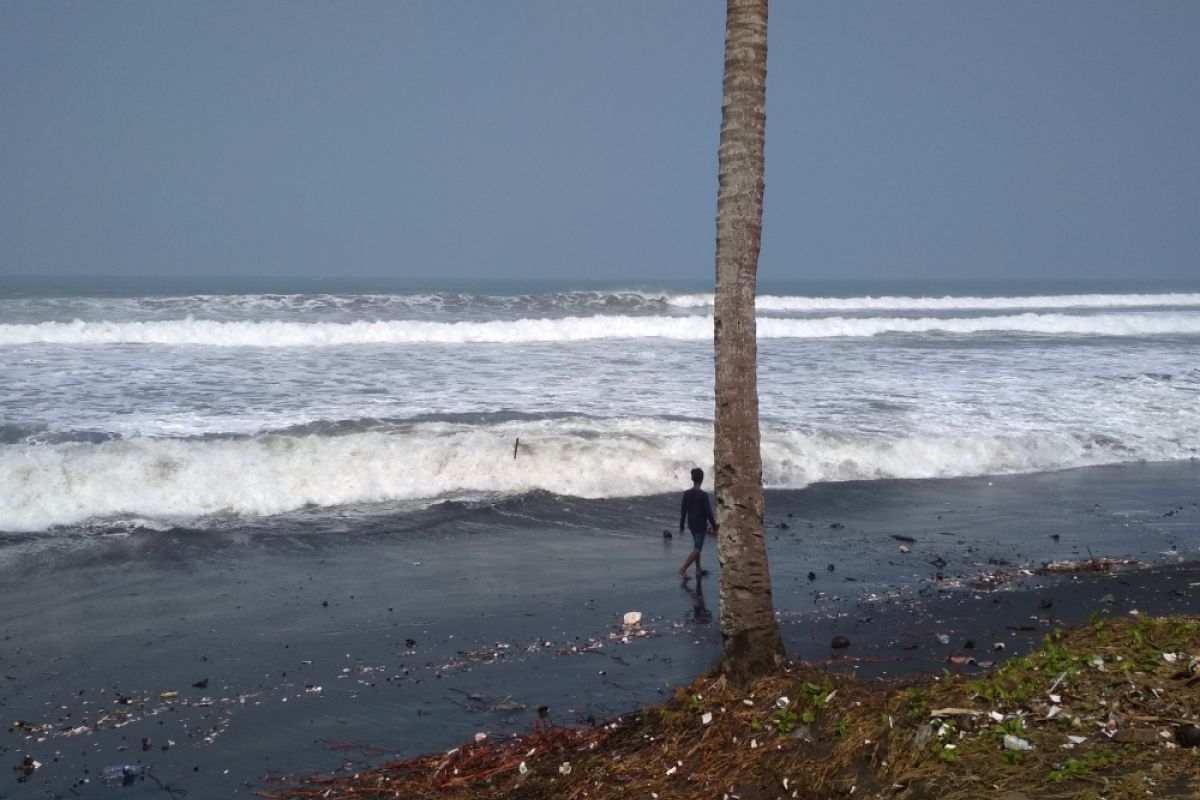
<point x="839" y="643"/>
<point x="812" y="576"/>
<point x="1045" y="602"/>
<point x="667" y="533"/>
<point x="830" y="568"/>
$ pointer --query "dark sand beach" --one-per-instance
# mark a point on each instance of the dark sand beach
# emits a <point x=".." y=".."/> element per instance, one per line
<point x="218" y="657"/>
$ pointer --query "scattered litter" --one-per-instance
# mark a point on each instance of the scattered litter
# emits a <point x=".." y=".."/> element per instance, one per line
<point x="706" y="718"/>
<point x="632" y="618"/>
<point x="123" y="774"/>
<point x="1016" y="743"/>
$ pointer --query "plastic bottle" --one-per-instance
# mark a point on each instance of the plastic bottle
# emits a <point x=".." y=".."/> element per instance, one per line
<point x="123" y="774"/>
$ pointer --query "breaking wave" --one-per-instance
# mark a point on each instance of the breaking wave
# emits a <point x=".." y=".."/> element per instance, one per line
<point x="189" y="481"/>
<point x="573" y="329"/>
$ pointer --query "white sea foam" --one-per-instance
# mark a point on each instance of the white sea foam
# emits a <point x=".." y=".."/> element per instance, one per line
<point x="950" y="303"/>
<point x="187" y="480"/>
<point x="198" y="332"/>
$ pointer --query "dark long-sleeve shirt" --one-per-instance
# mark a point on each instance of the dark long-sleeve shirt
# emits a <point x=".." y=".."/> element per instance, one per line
<point x="696" y="511"/>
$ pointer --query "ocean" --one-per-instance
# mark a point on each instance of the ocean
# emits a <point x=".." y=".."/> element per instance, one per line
<point x="150" y="405"/>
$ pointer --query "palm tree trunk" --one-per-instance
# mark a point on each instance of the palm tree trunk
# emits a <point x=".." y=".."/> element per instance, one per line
<point x="752" y="643"/>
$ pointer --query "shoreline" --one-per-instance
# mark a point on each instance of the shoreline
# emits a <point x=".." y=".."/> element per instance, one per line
<point x="303" y="642"/>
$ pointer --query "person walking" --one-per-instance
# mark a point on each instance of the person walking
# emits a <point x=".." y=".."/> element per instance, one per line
<point x="696" y="512"/>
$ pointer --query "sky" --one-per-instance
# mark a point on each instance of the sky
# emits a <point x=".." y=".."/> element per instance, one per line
<point x="569" y="139"/>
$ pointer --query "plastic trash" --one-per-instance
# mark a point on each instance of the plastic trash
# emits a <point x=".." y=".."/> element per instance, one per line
<point x="123" y="774"/>
<point x="1016" y="743"/>
<point x="633" y="618"/>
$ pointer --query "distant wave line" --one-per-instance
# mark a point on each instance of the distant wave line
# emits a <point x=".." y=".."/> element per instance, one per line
<point x="948" y="302"/>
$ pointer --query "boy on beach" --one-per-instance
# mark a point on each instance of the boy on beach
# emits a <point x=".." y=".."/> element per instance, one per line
<point x="697" y="512"/>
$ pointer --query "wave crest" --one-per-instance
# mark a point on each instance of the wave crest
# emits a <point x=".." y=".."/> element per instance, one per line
<point x="181" y="481"/>
<point x="211" y="333"/>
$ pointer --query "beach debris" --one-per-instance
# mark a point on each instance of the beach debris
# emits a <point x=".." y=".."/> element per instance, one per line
<point x="667" y="533"/>
<point x="123" y="774"/>
<point x="830" y="568"/>
<point x="564" y="768"/>
<point x="706" y="718"/>
<point x="782" y="702"/>
<point x="1091" y="565"/>
<point x="997" y="646"/>
<point x="953" y="711"/>
<point x="1045" y="602"/>
<point x="1012" y="742"/>
<point x="201" y="684"/>
<point x="923" y="735"/>
<point x="902" y="538"/>
<point x="943" y="638"/>
<point x="26" y="768"/>
<point x="812" y="576"/>
<point x="632" y="618"/>
<point x="1136" y="736"/>
<point x="1188" y="735"/>
<point x="839" y="642"/>
<point x="904" y="549"/>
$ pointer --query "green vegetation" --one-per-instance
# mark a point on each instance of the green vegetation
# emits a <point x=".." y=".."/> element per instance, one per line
<point x="1087" y="711"/>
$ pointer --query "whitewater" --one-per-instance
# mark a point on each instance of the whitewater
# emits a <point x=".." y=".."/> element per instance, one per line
<point x="197" y="409"/>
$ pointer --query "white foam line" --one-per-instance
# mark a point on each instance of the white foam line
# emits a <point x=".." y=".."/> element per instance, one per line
<point x="950" y="303"/>
<point x="211" y="333"/>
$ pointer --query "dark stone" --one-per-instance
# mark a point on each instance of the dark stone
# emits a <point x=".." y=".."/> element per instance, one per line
<point x="812" y="576"/>
<point x="839" y="643"/>
<point x="1188" y="736"/>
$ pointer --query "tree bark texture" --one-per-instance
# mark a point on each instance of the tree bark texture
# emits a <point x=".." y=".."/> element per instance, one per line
<point x="752" y="642"/>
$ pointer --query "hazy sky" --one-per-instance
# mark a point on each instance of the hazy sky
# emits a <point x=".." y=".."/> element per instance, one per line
<point x="567" y="138"/>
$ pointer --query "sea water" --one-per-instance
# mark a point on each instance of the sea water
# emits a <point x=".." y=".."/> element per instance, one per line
<point x="160" y="404"/>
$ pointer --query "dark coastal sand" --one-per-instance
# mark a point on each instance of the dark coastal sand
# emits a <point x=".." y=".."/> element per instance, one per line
<point x="459" y="621"/>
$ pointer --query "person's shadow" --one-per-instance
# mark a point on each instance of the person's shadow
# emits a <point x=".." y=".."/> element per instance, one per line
<point x="699" y="613"/>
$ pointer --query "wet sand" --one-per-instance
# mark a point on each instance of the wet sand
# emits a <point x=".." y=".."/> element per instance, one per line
<point x="287" y="652"/>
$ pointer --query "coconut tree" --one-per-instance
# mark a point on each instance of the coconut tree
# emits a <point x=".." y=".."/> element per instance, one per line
<point x="752" y="643"/>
